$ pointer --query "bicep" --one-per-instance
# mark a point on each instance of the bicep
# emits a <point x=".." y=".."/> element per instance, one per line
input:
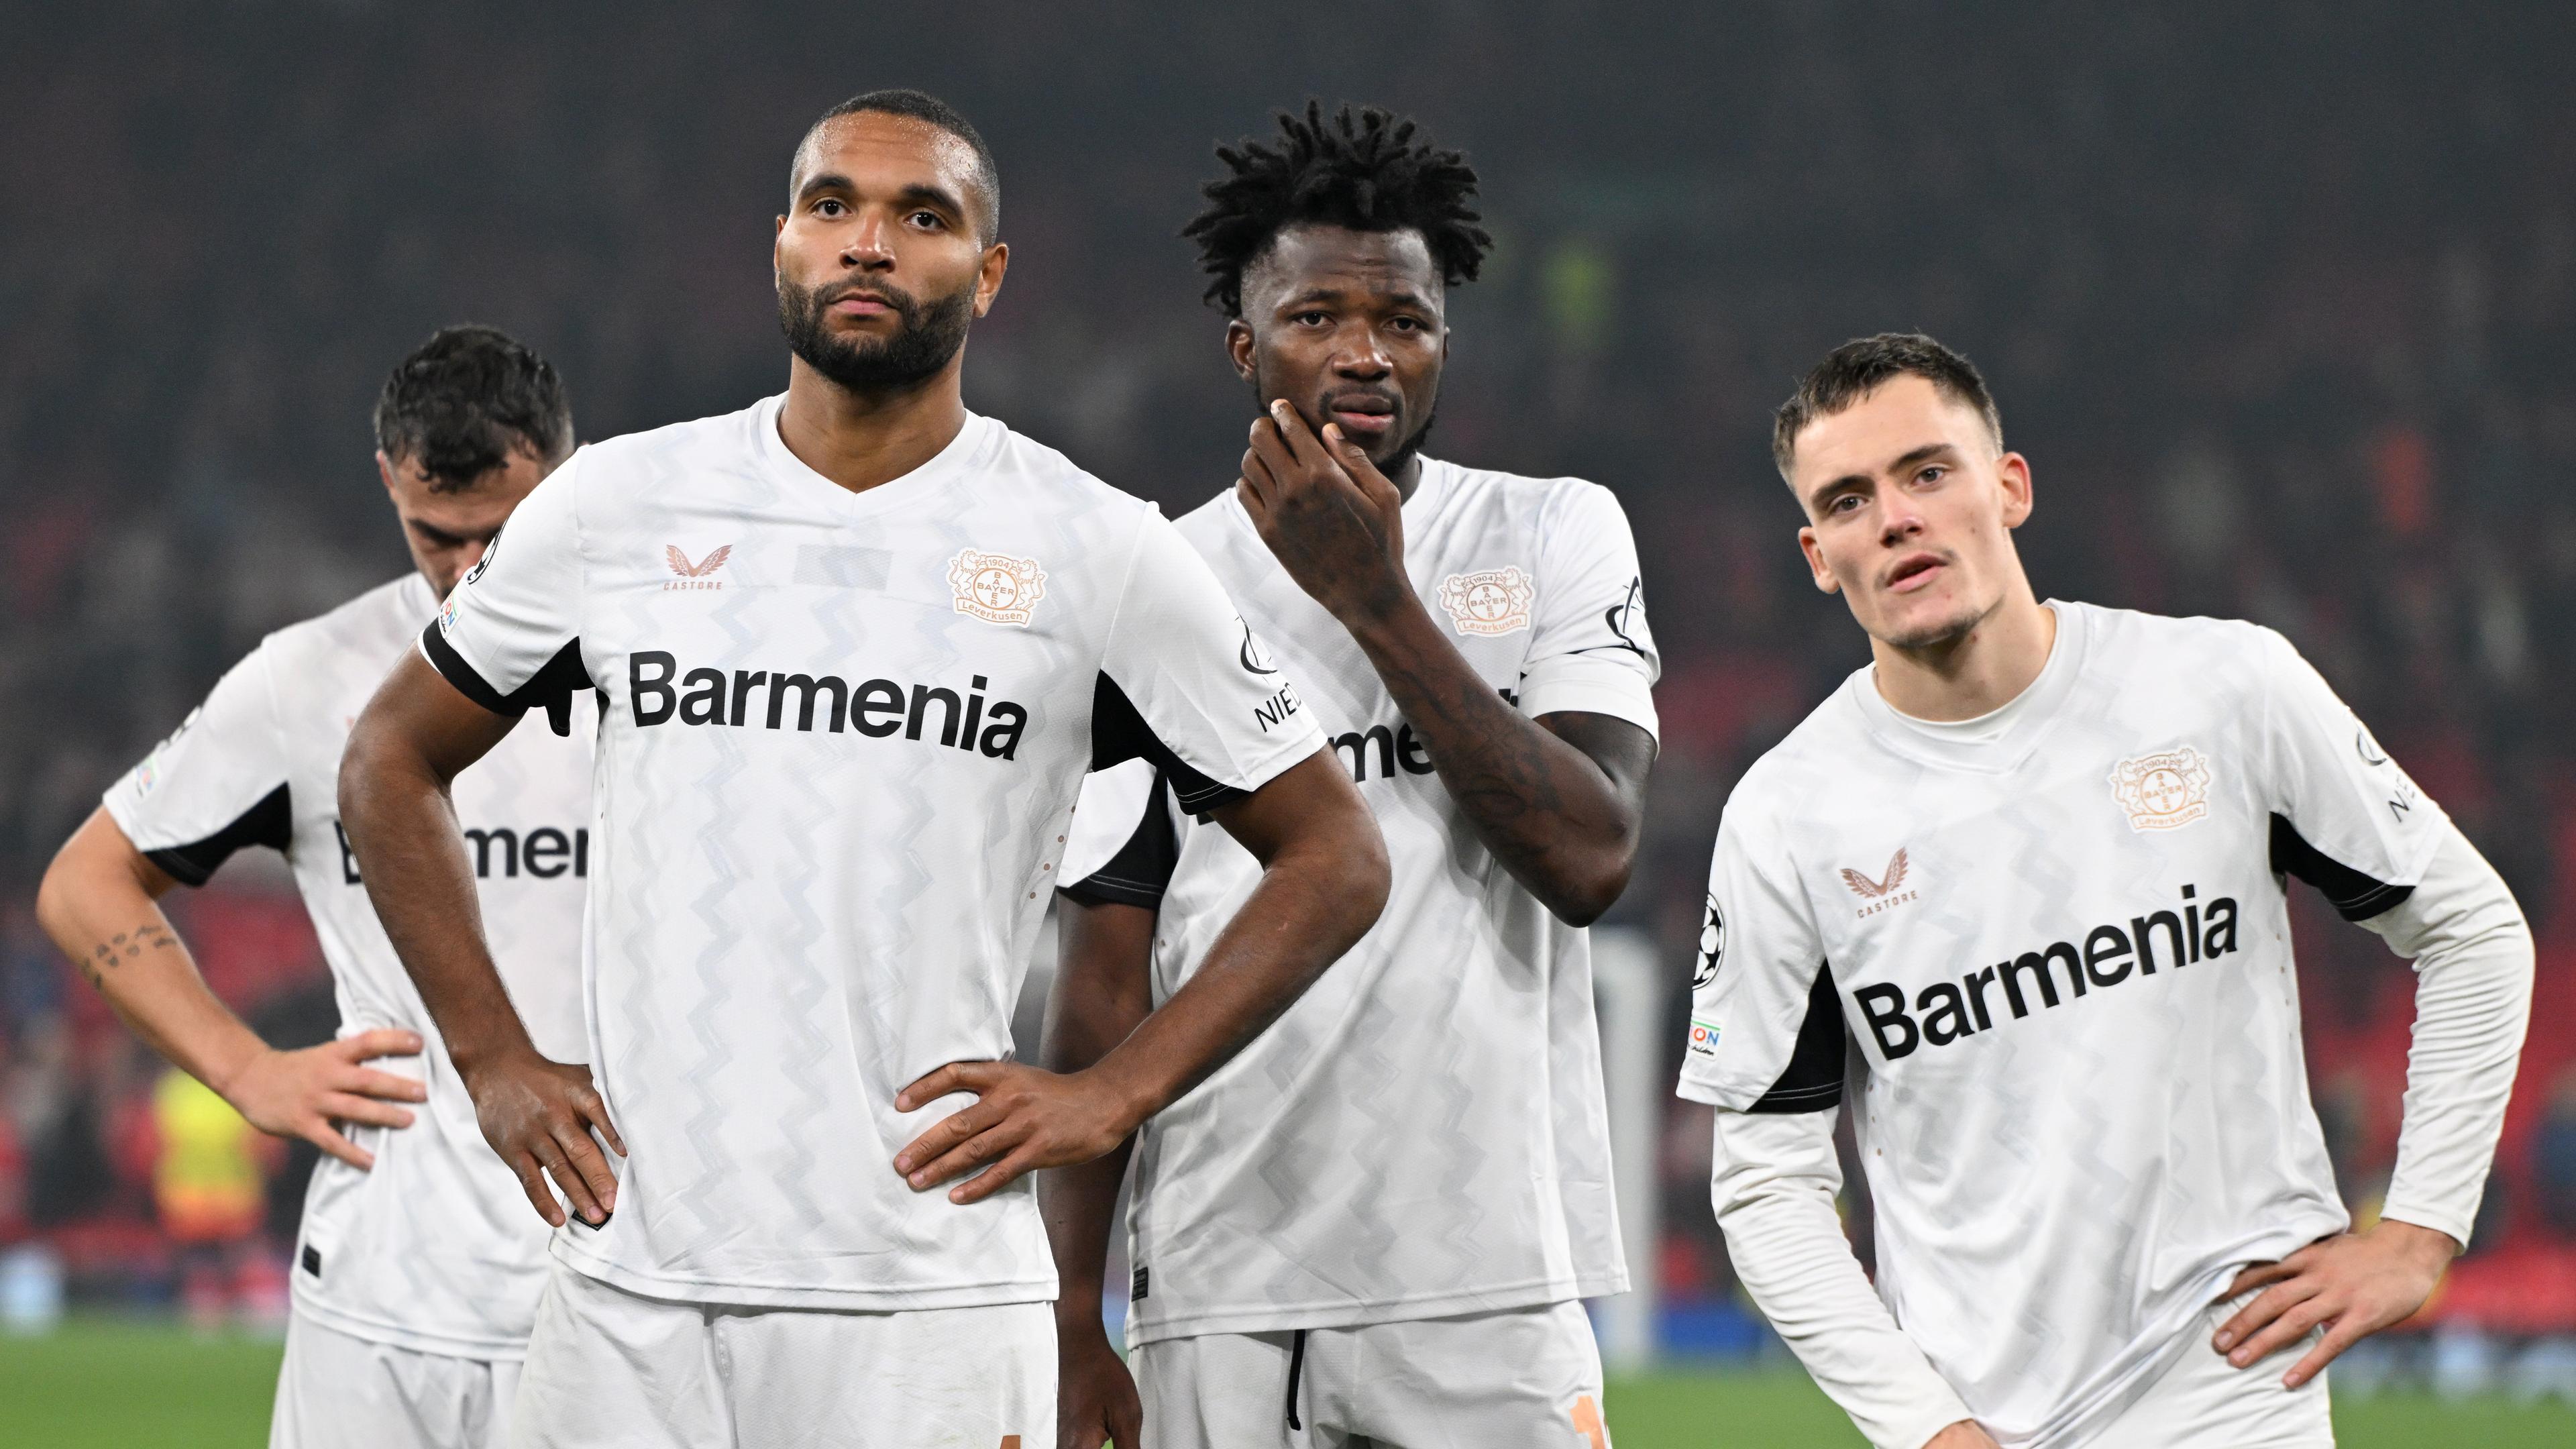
<point x="418" y="712"/>
<point x="1623" y="751"/>
<point x="1310" y="800"/>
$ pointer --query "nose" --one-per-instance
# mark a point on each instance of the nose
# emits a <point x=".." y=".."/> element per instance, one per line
<point x="1899" y="519"/>
<point x="867" y="248"/>
<point x="474" y="550"/>
<point x="1361" y="359"/>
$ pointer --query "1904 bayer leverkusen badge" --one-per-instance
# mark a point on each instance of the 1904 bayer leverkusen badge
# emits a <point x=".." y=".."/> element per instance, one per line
<point x="996" y="587"/>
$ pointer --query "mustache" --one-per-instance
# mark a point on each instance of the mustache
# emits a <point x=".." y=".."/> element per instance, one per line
<point x="905" y="305"/>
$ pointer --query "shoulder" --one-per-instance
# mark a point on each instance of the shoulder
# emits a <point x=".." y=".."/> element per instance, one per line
<point x="374" y="625"/>
<point x="1532" y="499"/>
<point x="1815" y="761"/>
<point x="2227" y="657"/>
<point x="1014" y="463"/>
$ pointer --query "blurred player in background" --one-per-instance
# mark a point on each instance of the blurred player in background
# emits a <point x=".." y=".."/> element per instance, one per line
<point x="2033" y="861"/>
<point x="859" y="647"/>
<point x="1376" y="1223"/>
<point x="417" y="1273"/>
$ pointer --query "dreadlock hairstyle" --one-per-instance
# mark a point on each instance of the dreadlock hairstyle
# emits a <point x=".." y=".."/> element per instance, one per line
<point x="1367" y="169"/>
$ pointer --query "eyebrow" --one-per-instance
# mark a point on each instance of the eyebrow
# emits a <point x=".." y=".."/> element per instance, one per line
<point x="438" y="536"/>
<point x="1411" y="300"/>
<point x="919" y="193"/>
<point x="1923" y="454"/>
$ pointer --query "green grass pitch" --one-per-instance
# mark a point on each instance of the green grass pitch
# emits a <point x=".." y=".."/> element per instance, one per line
<point x="144" y="1385"/>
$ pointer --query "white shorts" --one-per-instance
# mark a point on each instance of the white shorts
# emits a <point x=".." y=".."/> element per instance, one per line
<point x="1522" y="1376"/>
<point x="2203" y="1400"/>
<point x="338" y="1390"/>
<point x="613" y="1368"/>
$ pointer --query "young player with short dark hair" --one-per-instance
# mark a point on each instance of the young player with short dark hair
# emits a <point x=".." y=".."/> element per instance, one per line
<point x="416" y="1275"/>
<point x="857" y="647"/>
<point x="1376" y="1224"/>
<point x="2017" y="890"/>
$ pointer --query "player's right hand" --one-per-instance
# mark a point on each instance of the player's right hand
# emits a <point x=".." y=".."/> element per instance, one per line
<point x="539" y="1116"/>
<point x="1096" y="1400"/>
<point x="1965" y="1434"/>
<point x="308" y="1093"/>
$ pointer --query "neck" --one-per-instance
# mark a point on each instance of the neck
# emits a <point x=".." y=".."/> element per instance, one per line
<point x="862" y="439"/>
<point x="1974" y="672"/>
<point x="1408" y="477"/>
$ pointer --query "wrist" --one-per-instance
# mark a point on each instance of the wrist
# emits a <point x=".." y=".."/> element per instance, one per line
<point x="2430" y="1246"/>
<point x="223" y="1075"/>
<point x="1377" y="620"/>
<point x="1132" y="1096"/>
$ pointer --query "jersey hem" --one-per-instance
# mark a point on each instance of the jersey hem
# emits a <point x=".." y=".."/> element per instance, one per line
<point x="770" y="1295"/>
<point x="1348" y="1313"/>
<point x="406" y="1336"/>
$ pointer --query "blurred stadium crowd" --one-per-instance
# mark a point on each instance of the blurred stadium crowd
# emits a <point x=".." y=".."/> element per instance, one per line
<point x="2279" y="305"/>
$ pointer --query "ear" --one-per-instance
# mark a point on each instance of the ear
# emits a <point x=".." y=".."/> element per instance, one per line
<point x="988" y="276"/>
<point x="2013" y="470"/>
<point x="777" y="243"/>
<point x="1826" y="583"/>
<point x="385" y="470"/>
<point x="1238" y="347"/>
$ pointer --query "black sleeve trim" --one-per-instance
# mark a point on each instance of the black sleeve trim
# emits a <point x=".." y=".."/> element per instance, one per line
<point x="271" y="822"/>
<point x="1138" y="874"/>
<point x="1813" y="1080"/>
<point x="551" y="688"/>
<point x="2355" y="896"/>
<point x="1119" y="733"/>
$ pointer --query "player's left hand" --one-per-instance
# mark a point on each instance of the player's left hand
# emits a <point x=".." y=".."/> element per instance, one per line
<point x="2354" y="1283"/>
<point x="1025" y="1118"/>
<point x="1333" y="520"/>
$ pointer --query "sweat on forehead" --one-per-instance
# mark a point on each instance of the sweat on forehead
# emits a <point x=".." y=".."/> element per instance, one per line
<point x="961" y="155"/>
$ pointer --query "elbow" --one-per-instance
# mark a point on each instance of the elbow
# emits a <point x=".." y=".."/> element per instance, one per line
<point x="1586" y="893"/>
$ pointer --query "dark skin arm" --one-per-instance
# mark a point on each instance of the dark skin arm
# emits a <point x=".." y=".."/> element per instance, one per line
<point x="1559" y="800"/>
<point x="1323" y="882"/>
<point x="414" y="738"/>
<point x="1103" y="992"/>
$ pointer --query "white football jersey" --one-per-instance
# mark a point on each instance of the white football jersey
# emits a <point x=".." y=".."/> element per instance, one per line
<point x="1424" y="1132"/>
<point x="436" y="1249"/>
<point x="2059" y="938"/>
<point x="842" y="742"/>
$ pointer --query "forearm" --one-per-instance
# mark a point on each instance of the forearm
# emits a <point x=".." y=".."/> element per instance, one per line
<point x="1313" y="903"/>
<point x="1547" y="811"/>
<point x="1103" y="991"/>
<point x="2473" y="960"/>
<point x="1773" y="1186"/>
<point x="99" y="910"/>
<point x="411" y="854"/>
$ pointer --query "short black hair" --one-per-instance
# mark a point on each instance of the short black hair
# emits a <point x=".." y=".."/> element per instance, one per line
<point x="1856" y="369"/>
<point x="1367" y="169"/>
<point x="930" y="110"/>
<point x="468" y="398"/>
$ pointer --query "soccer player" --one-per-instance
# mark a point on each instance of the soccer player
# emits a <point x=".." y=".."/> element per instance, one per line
<point x="2031" y="866"/>
<point x="416" y="1280"/>
<point x="858" y="648"/>
<point x="1376" y="1223"/>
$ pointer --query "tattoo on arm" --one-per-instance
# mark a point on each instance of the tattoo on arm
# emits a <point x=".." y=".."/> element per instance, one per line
<point x="126" y="946"/>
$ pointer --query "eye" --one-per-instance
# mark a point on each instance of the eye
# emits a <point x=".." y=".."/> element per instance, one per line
<point x="829" y="207"/>
<point x="926" y="220"/>
<point x="1406" y="324"/>
<point x="1311" y="319"/>
<point x="1933" y="474"/>
<point x="1843" y="503"/>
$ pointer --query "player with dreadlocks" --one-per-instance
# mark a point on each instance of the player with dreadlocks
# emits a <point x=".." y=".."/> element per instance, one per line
<point x="1373" y="1227"/>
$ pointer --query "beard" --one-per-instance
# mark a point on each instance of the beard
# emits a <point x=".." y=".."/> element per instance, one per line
<point x="1390" y="465"/>
<point x="931" y="335"/>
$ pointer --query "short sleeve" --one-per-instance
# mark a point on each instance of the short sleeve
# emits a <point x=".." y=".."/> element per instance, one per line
<point x="1185" y="684"/>
<point x="2345" y="818"/>
<point x="1590" y="649"/>
<point x="1124" y="845"/>
<point x="217" y="784"/>
<point x="1766" y="1027"/>
<point x="509" y="637"/>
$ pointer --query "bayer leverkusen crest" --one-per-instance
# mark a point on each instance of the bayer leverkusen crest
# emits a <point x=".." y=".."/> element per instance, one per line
<point x="1495" y="601"/>
<point x="996" y="587"/>
<point x="2163" y="791"/>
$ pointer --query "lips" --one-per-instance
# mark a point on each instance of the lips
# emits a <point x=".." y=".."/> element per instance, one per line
<point x="1361" y="412"/>
<point x="1915" y="571"/>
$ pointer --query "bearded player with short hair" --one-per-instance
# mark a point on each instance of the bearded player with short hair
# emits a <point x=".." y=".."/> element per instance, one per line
<point x="857" y="648"/>
<point x="416" y="1275"/>
<point x="2018" y="890"/>
<point x="1376" y="1225"/>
